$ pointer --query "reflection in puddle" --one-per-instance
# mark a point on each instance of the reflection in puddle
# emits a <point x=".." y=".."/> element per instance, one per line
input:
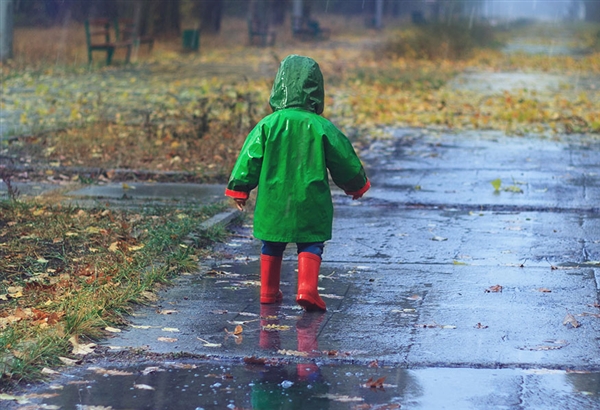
<point x="314" y="385"/>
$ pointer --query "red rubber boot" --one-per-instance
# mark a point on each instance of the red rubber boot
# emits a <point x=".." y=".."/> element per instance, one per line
<point x="270" y="275"/>
<point x="308" y="279"/>
<point x="269" y="339"/>
<point x="307" y="329"/>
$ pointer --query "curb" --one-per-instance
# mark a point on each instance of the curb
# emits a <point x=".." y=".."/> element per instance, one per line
<point x="220" y="219"/>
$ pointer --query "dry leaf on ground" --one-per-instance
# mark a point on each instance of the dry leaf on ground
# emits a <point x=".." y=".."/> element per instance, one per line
<point x="494" y="289"/>
<point x="570" y="320"/>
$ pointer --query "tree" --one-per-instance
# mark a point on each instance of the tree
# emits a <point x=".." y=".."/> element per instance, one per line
<point x="6" y="29"/>
<point x="210" y="13"/>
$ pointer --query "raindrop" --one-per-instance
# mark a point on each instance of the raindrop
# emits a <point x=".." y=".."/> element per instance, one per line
<point x="286" y="384"/>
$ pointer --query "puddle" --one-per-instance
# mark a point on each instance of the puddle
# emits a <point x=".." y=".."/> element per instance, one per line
<point x="498" y="82"/>
<point x="217" y="385"/>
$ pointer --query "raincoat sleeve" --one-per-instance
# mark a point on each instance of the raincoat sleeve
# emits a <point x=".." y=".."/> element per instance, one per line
<point x="245" y="173"/>
<point x="344" y="165"/>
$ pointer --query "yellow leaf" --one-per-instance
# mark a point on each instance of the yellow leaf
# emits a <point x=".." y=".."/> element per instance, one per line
<point x="114" y="247"/>
<point x="112" y="329"/>
<point x="92" y="229"/>
<point x="167" y="339"/>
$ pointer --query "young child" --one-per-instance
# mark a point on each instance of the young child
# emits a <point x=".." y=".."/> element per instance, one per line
<point x="287" y="156"/>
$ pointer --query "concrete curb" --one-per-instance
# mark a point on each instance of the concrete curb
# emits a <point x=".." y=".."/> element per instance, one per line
<point x="220" y="219"/>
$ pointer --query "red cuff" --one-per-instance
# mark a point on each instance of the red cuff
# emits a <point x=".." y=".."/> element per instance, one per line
<point x="236" y="194"/>
<point x="361" y="191"/>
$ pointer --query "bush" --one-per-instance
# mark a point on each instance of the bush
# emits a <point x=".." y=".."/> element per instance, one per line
<point x="441" y="41"/>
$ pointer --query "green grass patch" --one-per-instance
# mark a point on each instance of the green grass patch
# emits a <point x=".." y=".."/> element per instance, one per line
<point x="69" y="273"/>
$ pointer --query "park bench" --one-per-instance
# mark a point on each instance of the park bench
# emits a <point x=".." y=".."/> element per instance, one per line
<point x="97" y="35"/>
<point x="126" y="30"/>
<point x="265" y="35"/>
<point x="308" y="29"/>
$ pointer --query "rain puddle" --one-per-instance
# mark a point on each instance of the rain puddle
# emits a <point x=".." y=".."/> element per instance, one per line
<point x="221" y="385"/>
<point x="499" y="82"/>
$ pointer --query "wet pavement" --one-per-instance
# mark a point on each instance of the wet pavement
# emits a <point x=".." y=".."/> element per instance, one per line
<point x="461" y="295"/>
<point x="467" y="278"/>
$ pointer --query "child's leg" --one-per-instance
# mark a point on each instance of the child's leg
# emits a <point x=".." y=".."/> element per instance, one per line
<point x="309" y="263"/>
<point x="270" y="271"/>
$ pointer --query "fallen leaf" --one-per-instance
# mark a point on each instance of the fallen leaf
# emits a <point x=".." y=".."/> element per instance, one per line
<point x="570" y="320"/>
<point x="414" y="297"/>
<point x="167" y="312"/>
<point x="114" y="247"/>
<point x="292" y="353"/>
<point x="274" y="328"/>
<point x="544" y="290"/>
<point x="69" y="362"/>
<point x="439" y="239"/>
<point x="170" y="329"/>
<point x="340" y="398"/>
<point x="175" y="365"/>
<point x="374" y="384"/>
<point x="496" y="183"/>
<point x="18" y="399"/>
<point x="480" y="326"/>
<point x="112" y="329"/>
<point x="143" y="387"/>
<point x="331" y="296"/>
<point x="255" y="360"/>
<point x="109" y="372"/>
<point x="208" y="344"/>
<point x="46" y="370"/>
<point x="79" y="349"/>
<point x="167" y="339"/>
<point x="494" y="289"/>
<point x="152" y="369"/>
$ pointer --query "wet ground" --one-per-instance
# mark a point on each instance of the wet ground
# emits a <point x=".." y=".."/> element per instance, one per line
<point x="461" y="295"/>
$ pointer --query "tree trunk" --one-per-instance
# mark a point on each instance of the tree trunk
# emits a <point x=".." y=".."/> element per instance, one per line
<point x="278" y="10"/>
<point x="6" y="29"/>
<point x="211" y="12"/>
<point x="166" y="13"/>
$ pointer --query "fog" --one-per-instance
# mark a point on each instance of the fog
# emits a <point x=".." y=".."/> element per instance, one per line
<point x="534" y="9"/>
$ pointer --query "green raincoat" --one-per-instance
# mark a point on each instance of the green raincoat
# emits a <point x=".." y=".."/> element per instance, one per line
<point x="287" y="156"/>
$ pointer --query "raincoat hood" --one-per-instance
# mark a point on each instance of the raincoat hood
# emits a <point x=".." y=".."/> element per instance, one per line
<point x="298" y="84"/>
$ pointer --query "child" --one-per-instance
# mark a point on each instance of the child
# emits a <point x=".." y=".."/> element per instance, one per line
<point x="287" y="156"/>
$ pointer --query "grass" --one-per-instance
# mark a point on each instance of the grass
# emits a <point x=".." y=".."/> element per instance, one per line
<point x="69" y="272"/>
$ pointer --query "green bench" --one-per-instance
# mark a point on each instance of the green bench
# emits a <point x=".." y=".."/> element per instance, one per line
<point x="97" y="35"/>
<point x="125" y="30"/>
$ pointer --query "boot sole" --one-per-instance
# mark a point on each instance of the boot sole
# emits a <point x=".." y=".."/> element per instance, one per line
<point x="309" y="304"/>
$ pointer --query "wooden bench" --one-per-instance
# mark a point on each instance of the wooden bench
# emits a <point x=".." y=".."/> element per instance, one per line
<point x="125" y="30"/>
<point x="265" y="35"/>
<point x="97" y="35"/>
<point x="307" y="29"/>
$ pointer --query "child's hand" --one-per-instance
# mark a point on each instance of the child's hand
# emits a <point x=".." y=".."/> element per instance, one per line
<point x="240" y="203"/>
